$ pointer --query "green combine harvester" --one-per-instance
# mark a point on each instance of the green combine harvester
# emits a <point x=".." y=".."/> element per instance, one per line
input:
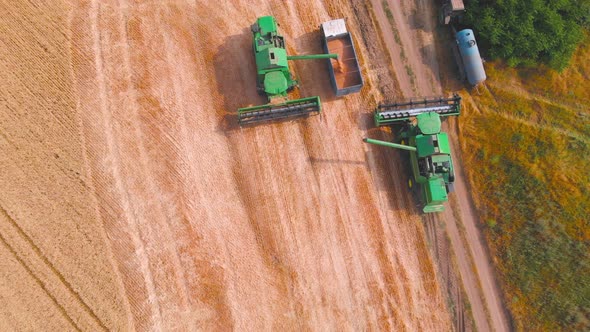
<point x="273" y="77"/>
<point x="430" y="152"/>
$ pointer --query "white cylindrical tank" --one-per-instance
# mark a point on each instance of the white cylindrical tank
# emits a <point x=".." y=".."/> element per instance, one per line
<point x="470" y="57"/>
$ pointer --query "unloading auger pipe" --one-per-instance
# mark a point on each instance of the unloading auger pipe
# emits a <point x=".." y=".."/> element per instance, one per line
<point x="389" y="144"/>
<point x="312" y="56"/>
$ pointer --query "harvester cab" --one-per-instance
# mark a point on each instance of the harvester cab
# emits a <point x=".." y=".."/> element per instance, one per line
<point x="273" y="77"/>
<point x="430" y="153"/>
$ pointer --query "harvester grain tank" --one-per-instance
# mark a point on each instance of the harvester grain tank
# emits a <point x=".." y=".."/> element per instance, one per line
<point x="274" y="78"/>
<point x="470" y="60"/>
<point x="345" y="73"/>
<point x="429" y="148"/>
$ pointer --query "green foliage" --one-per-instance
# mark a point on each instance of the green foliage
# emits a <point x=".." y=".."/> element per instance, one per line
<point x="543" y="263"/>
<point x="527" y="32"/>
<point x="534" y="198"/>
<point x="540" y="258"/>
<point x="491" y="223"/>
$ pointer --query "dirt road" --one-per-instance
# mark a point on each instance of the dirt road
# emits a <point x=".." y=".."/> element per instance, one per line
<point x="409" y="27"/>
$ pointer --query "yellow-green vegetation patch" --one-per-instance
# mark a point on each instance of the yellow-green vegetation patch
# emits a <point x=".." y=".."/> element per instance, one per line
<point x="526" y="140"/>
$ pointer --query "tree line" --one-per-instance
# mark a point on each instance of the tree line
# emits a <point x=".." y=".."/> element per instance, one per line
<point x="529" y="32"/>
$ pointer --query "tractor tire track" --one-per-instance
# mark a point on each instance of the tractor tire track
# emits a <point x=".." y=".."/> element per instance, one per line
<point x="56" y="257"/>
<point x="91" y="14"/>
<point x="47" y="263"/>
<point x="39" y="282"/>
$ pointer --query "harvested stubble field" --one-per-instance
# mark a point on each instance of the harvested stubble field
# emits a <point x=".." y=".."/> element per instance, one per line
<point x="130" y="200"/>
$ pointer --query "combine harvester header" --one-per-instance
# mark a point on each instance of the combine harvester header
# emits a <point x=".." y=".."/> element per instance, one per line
<point x="430" y="152"/>
<point x="386" y="114"/>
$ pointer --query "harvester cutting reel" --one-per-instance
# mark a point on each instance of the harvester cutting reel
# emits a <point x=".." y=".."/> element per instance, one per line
<point x="388" y="113"/>
<point x="287" y="109"/>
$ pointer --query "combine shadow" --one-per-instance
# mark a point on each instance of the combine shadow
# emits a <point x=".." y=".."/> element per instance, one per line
<point x="393" y="165"/>
<point x="429" y="58"/>
<point x="418" y="21"/>
<point x="449" y="72"/>
<point x="395" y="171"/>
<point x="235" y="74"/>
<point x="385" y="159"/>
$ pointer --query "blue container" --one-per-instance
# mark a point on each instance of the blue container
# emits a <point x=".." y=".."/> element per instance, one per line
<point x="470" y="57"/>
